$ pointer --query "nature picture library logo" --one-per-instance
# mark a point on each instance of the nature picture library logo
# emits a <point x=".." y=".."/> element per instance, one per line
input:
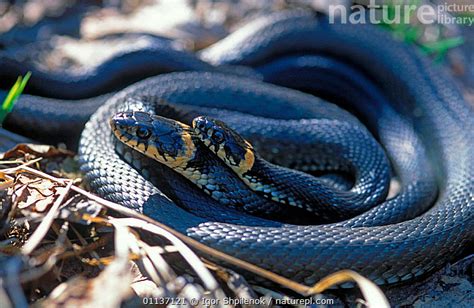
<point x="403" y="11"/>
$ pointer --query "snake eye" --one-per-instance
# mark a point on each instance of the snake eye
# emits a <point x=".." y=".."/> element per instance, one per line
<point x="143" y="133"/>
<point x="217" y="136"/>
<point x="200" y="125"/>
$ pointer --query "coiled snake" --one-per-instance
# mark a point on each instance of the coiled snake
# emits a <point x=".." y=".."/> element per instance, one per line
<point x="413" y="109"/>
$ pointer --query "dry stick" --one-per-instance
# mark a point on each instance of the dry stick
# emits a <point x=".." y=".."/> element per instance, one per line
<point x="157" y="260"/>
<point x="25" y="168"/>
<point x="20" y="167"/>
<point x="290" y="284"/>
<point x="43" y="227"/>
<point x="102" y="241"/>
<point x="93" y="253"/>
<point x="185" y="251"/>
<point x="38" y="272"/>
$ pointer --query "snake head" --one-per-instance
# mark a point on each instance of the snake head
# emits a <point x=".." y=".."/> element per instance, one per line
<point x="229" y="146"/>
<point x="165" y="140"/>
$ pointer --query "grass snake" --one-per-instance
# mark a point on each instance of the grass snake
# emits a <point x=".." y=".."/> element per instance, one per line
<point x="413" y="109"/>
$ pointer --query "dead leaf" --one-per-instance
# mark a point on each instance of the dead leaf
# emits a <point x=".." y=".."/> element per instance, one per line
<point x="36" y="194"/>
<point x="45" y="151"/>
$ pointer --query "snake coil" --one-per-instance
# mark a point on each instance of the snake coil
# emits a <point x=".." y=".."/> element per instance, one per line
<point x="386" y="244"/>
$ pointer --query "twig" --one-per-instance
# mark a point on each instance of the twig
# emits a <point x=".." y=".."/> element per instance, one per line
<point x="193" y="260"/>
<point x="37" y="272"/>
<point x="93" y="254"/>
<point x="87" y="248"/>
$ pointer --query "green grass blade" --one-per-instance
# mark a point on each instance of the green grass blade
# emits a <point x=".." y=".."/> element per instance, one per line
<point x="442" y="46"/>
<point x="411" y="33"/>
<point x="13" y="95"/>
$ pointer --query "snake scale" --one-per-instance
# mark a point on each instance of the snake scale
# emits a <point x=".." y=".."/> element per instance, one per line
<point x="412" y="108"/>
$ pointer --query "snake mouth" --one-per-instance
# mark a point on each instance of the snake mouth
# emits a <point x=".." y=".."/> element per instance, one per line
<point x="169" y="142"/>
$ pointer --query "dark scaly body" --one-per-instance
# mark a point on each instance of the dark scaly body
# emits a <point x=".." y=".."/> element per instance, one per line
<point x="59" y="102"/>
<point x="145" y="56"/>
<point x="347" y="144"/>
